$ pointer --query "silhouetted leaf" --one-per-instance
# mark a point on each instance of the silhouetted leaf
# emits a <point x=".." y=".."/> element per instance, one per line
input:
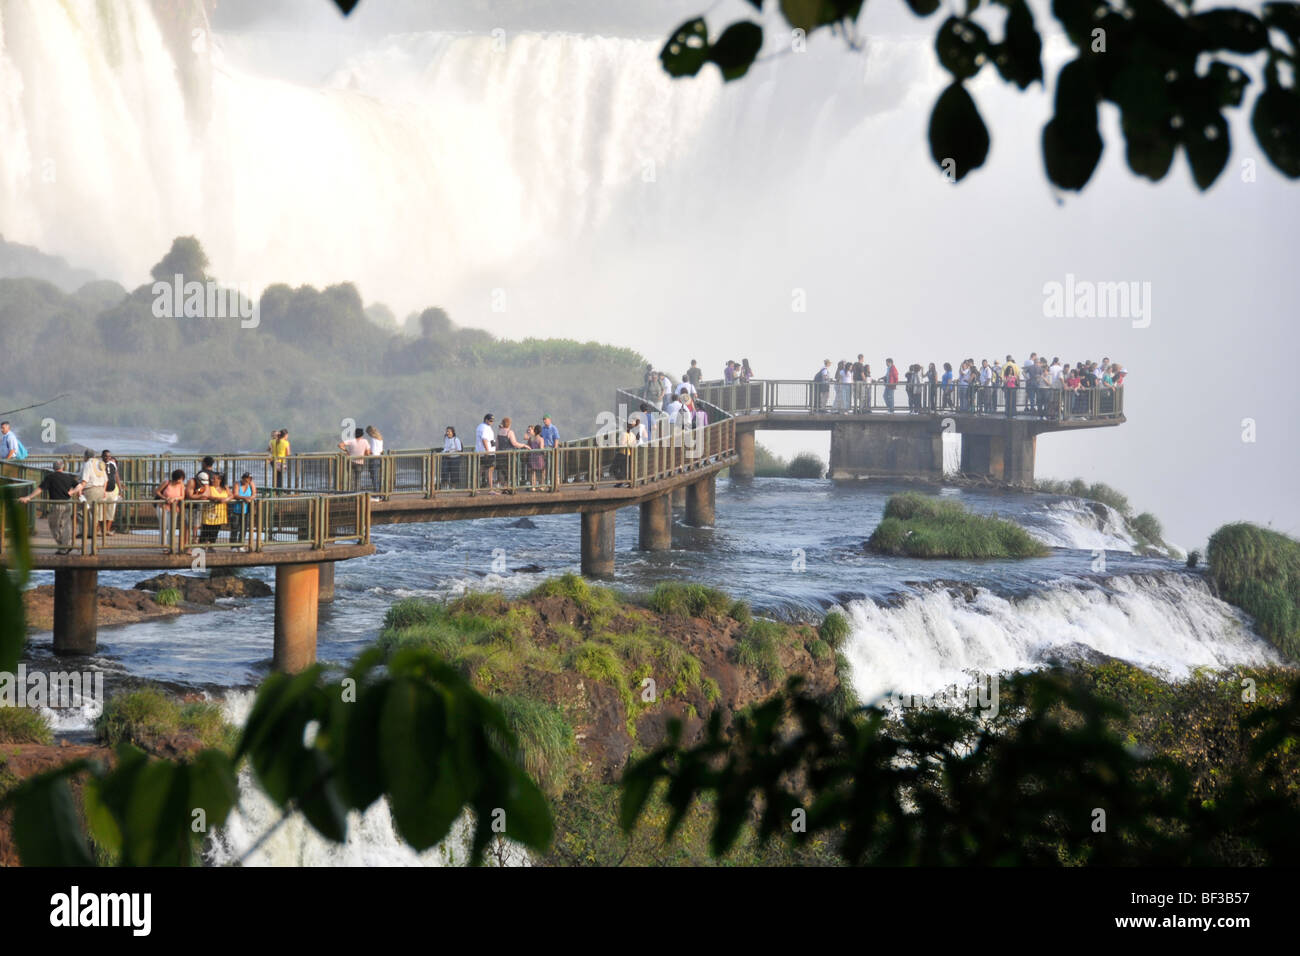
<point x="1226" y="29"/>
<point x="1207" y="143"/>
<point x="961" y="46"/>
<point x="923" y="8"/>
<point x="957" y="132"/>
<point x="735" y="50"/>
<point x="1019" y="56"/>
<point x="1276" y="122"/>
<point x="1071" y="144"/>
<point x="1228" y="83"/>
<point x="46" y="827"/>
<point x="687" y="49"/>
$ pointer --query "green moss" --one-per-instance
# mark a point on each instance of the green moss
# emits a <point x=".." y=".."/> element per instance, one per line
<point x="1259" y="571"/>
<point x="921" y="526"/>
<point x="689" y="600"/>
<point x="24" y="725"/>
<point x="819" y="650"/>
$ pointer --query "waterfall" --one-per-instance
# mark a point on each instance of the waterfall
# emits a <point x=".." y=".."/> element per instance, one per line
<point x="1166" y="622"/>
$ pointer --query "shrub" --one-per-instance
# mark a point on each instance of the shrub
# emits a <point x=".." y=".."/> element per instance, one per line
<point x="204" y="719"/>
<point x="689" y="600"/>
<point x="923" y="527"/>
<point x="409" y="611"/>
<point x="805" y="465"/>
<point x="740" y="613"/>
<point x="1259" y="571"/>
<point x="24" y="725"/>
<point x="759" y="649"/>
<point x="594" y="601"/>
<point x="834" y="629"/>
<point x="819" y="649"/>
<point x="168" y="597"/>
<point x="138" y="717"/>
<point x="546" y="744"/>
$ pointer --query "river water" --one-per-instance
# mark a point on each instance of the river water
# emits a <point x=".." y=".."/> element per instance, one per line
<point x="792" y="548"/>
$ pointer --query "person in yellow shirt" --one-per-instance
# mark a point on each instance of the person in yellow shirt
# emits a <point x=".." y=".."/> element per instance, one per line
<point x="280" y="451"/>
<point x="214" y="511"/>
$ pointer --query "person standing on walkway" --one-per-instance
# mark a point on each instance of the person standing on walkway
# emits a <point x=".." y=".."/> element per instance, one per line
<point x="112" y="490"/>
<point x="536" y="460"/>
<point x="451" y="449"/>
<point x="171" y="493"/>
<point x="95" y="478"/>
<point x="61" y="488"/>
<point x="485" y="444"/>
<point x="550" y="434"/>
<point x="9" y="443"/>
<point x="280" y="452"/>
<point x="506" y="440"/>
<point x="241" y="510"/>
<point x="693" y="374"/>
<point x="375" y="463"/>
<point x="891" y="383"/>
<point x="356" y="448"/>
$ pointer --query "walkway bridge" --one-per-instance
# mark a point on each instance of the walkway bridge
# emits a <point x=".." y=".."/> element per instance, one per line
<point x="318" y="515"/>
<point x="877" y="431"/>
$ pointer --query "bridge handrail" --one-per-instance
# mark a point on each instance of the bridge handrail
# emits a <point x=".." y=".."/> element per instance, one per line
<point x="768" y="396"/>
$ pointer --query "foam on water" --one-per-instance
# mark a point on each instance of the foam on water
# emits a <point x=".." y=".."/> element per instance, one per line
<point x="1169" y="624"/>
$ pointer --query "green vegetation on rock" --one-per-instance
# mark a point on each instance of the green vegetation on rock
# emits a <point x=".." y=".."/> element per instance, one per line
<point x="24" y="725"/>
<point x="1259" y="571"/>
<point x="921" y="526"/>
<point x="168" y="597"/>
<point x="689" y="600"/>
<point x="1145" y="529"/>
<point x="149" y="717"/>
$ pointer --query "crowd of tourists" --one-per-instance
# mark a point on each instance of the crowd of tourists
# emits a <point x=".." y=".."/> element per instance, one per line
<point x="1036" y="387"/>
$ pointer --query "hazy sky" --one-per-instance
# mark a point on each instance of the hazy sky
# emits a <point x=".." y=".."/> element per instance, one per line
<point x="562" y="185"/>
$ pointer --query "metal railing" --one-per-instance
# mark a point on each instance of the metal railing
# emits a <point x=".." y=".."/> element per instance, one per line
<point x="323" y="497"/>
<point x="288" y="522"/>
<point x="761" y="397"/>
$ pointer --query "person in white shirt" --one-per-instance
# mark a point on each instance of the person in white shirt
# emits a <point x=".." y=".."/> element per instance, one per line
<point x="667" y="384"/>
<point x="674" y="410"/>
<point x="357" y="448"/>
<point x="485" y="443"/>
<point x="376" y="449"/>
<point x="95" y="477"/>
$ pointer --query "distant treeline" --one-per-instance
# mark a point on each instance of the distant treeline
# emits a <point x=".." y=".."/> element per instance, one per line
<point x="313" y="359"/>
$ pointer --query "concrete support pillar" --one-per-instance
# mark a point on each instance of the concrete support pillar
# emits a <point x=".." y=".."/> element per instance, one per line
<point x="76" y="610"/>
<point x="325" y="591"/>
<point x="679" y="496"/>
<point x="905" y="447"/>
<point x="743" y="470"/>
<point x="297" y="588"/>
<point x="598" y="544"/>
<point x="656" y="532"/>
<point x="1020" y="453"/>
<point x="700" y="501"/>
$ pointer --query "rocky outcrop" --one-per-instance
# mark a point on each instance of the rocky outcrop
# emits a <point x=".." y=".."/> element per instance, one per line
<point x="207" y="590"/>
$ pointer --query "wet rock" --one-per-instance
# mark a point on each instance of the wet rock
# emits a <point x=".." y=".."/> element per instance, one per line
<point x="207" y="590"/>
<point x="522" y="523"/>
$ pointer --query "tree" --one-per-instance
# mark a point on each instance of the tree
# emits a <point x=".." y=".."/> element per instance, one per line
<point x="1158" y="62"/>
<point x="186" y="258"/>
<point x="434" y="324"/>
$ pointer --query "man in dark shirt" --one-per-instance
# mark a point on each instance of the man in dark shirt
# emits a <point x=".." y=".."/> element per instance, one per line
<point x="693" y="374"/>
<point x="59" y="487"/>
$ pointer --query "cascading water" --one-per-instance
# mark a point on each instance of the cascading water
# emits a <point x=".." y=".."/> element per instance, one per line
<point x="1167" y="622"/>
